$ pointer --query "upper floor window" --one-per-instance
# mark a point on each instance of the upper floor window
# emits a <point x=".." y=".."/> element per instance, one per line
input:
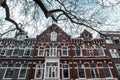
<point x="3" y="52"/>
<point x="15" y="52"/>
<point x="116" y="40"/>
<point x="89" y="51"/>
<point x="64" y="51"/>
<point x="20" y="37"/>
<point x="53" y="51"/>
<point x="81" y="71"/>
<point x="109" y="41"/>
<point x="53" y="36"/>
<point x="41" y="51"/>
<point x="78" y="51"/>
<point x="114" y="53"/>
<point x="100" y="50"/>
<point x="27" y="52"/>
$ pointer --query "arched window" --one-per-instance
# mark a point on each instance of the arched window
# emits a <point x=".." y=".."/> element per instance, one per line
<point x="53" y="36"/>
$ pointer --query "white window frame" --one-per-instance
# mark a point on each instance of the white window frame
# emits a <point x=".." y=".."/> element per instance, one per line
<point x="20" y="37"/>
<point x="65" y="69"/>
<point x="114" y="53"/>
<point x="108" y="40"/>
<point x="65" y="50"/>
<point x="118" y="68"/>
<point x="21" y="67"/>
<point x="14" y="51"/>
<point x="52" y="60"/>
<point x="53" y="36"/>
<point x="83" y="67"/>
<point x="94" y="70"/>
<point x="27" y="49"/>
<point x="53" y="51"/>
<point x="80" y="51"/>
<point x="100" y="48"/>
<point x="6" y="71"/>
<point x="108" y="69"/>
<point x="88" y="50"/>
<point x="38" y="68"/>
<point x="5" y="52"/>
<point x="39" y="49"/>
<point x="4" y="67"/>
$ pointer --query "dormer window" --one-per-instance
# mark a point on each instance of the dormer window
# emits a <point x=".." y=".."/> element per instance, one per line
<point x="20" y="37"/>
<point x="53" y="36"/>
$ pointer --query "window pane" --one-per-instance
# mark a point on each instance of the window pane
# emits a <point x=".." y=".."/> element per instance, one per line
<point x="64" y="51"/>
<point x="41" y="51"/>
<point x="81" y="71"/>
<point x="53" y="36"/>
<point x="27" y="52"/>
<point x="100" y="51"/>
<point x="65" y="73"/>
<point x="22" y="73"/>
<point x="15" y="52"/>
<point x="78" y="51"/>
<point x="9" y="73"/>
<point x="107" y="71"/>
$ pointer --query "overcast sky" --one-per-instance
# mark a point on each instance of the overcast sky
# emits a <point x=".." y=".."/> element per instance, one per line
<point x="112" y="23"/>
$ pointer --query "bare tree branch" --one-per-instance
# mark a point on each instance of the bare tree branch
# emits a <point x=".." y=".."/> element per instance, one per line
<point x="4" y="5"/>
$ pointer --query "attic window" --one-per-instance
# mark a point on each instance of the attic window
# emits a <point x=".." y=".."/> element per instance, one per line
<point x="116" y="40"/>
<point x="53" y="36"/>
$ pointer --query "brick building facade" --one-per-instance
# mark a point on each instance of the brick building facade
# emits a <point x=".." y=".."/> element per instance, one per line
<point x="54" y="55"/>
<point x="113" y="45"/>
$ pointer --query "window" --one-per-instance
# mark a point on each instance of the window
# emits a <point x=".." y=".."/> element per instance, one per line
<point x="106" y="70"/>
<point x="89" y="51"/>
<point x="41" y="51"/>
<point x="53" y="51"/>
<point x="114" y="53"/>
<point x="27" y="52"/>
<point x="9" y="71"/>
<point x="15" y="52"/>
<point x="20" y="37"/>
<point x="109" y="41"/>
<point x="81" y="71"/>
<point x="64" y="51"/>
<point x="100" y="50"/>
<point x="66" y="72"/>
<point x="94" y="71"/>
<point x="38" y="71"/>
<point x="51" y="70"/>
<point x="118" y="68"/>
<point x="116" y="40"/>
<point x="3" y="68"/>
<point x="3" y="52"/>
<point x="53" y="36"/>
<point x="23" y="71"/>
<point x="78" y="51"/>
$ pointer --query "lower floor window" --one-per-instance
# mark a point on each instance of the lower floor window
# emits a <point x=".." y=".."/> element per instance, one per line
<point x="23" y="71"/>
<point x="65" y="71"/>
<point x="81" y="72"/>
<point x="118" y="68"/>
<point x="51" y="70"/>
<point x="9" y="73"/>
<point x="39" y="71"/>
<point x="106" y="70"/>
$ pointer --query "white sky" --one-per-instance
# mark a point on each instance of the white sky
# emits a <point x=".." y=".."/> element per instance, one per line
<point x="112" y="23"/>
